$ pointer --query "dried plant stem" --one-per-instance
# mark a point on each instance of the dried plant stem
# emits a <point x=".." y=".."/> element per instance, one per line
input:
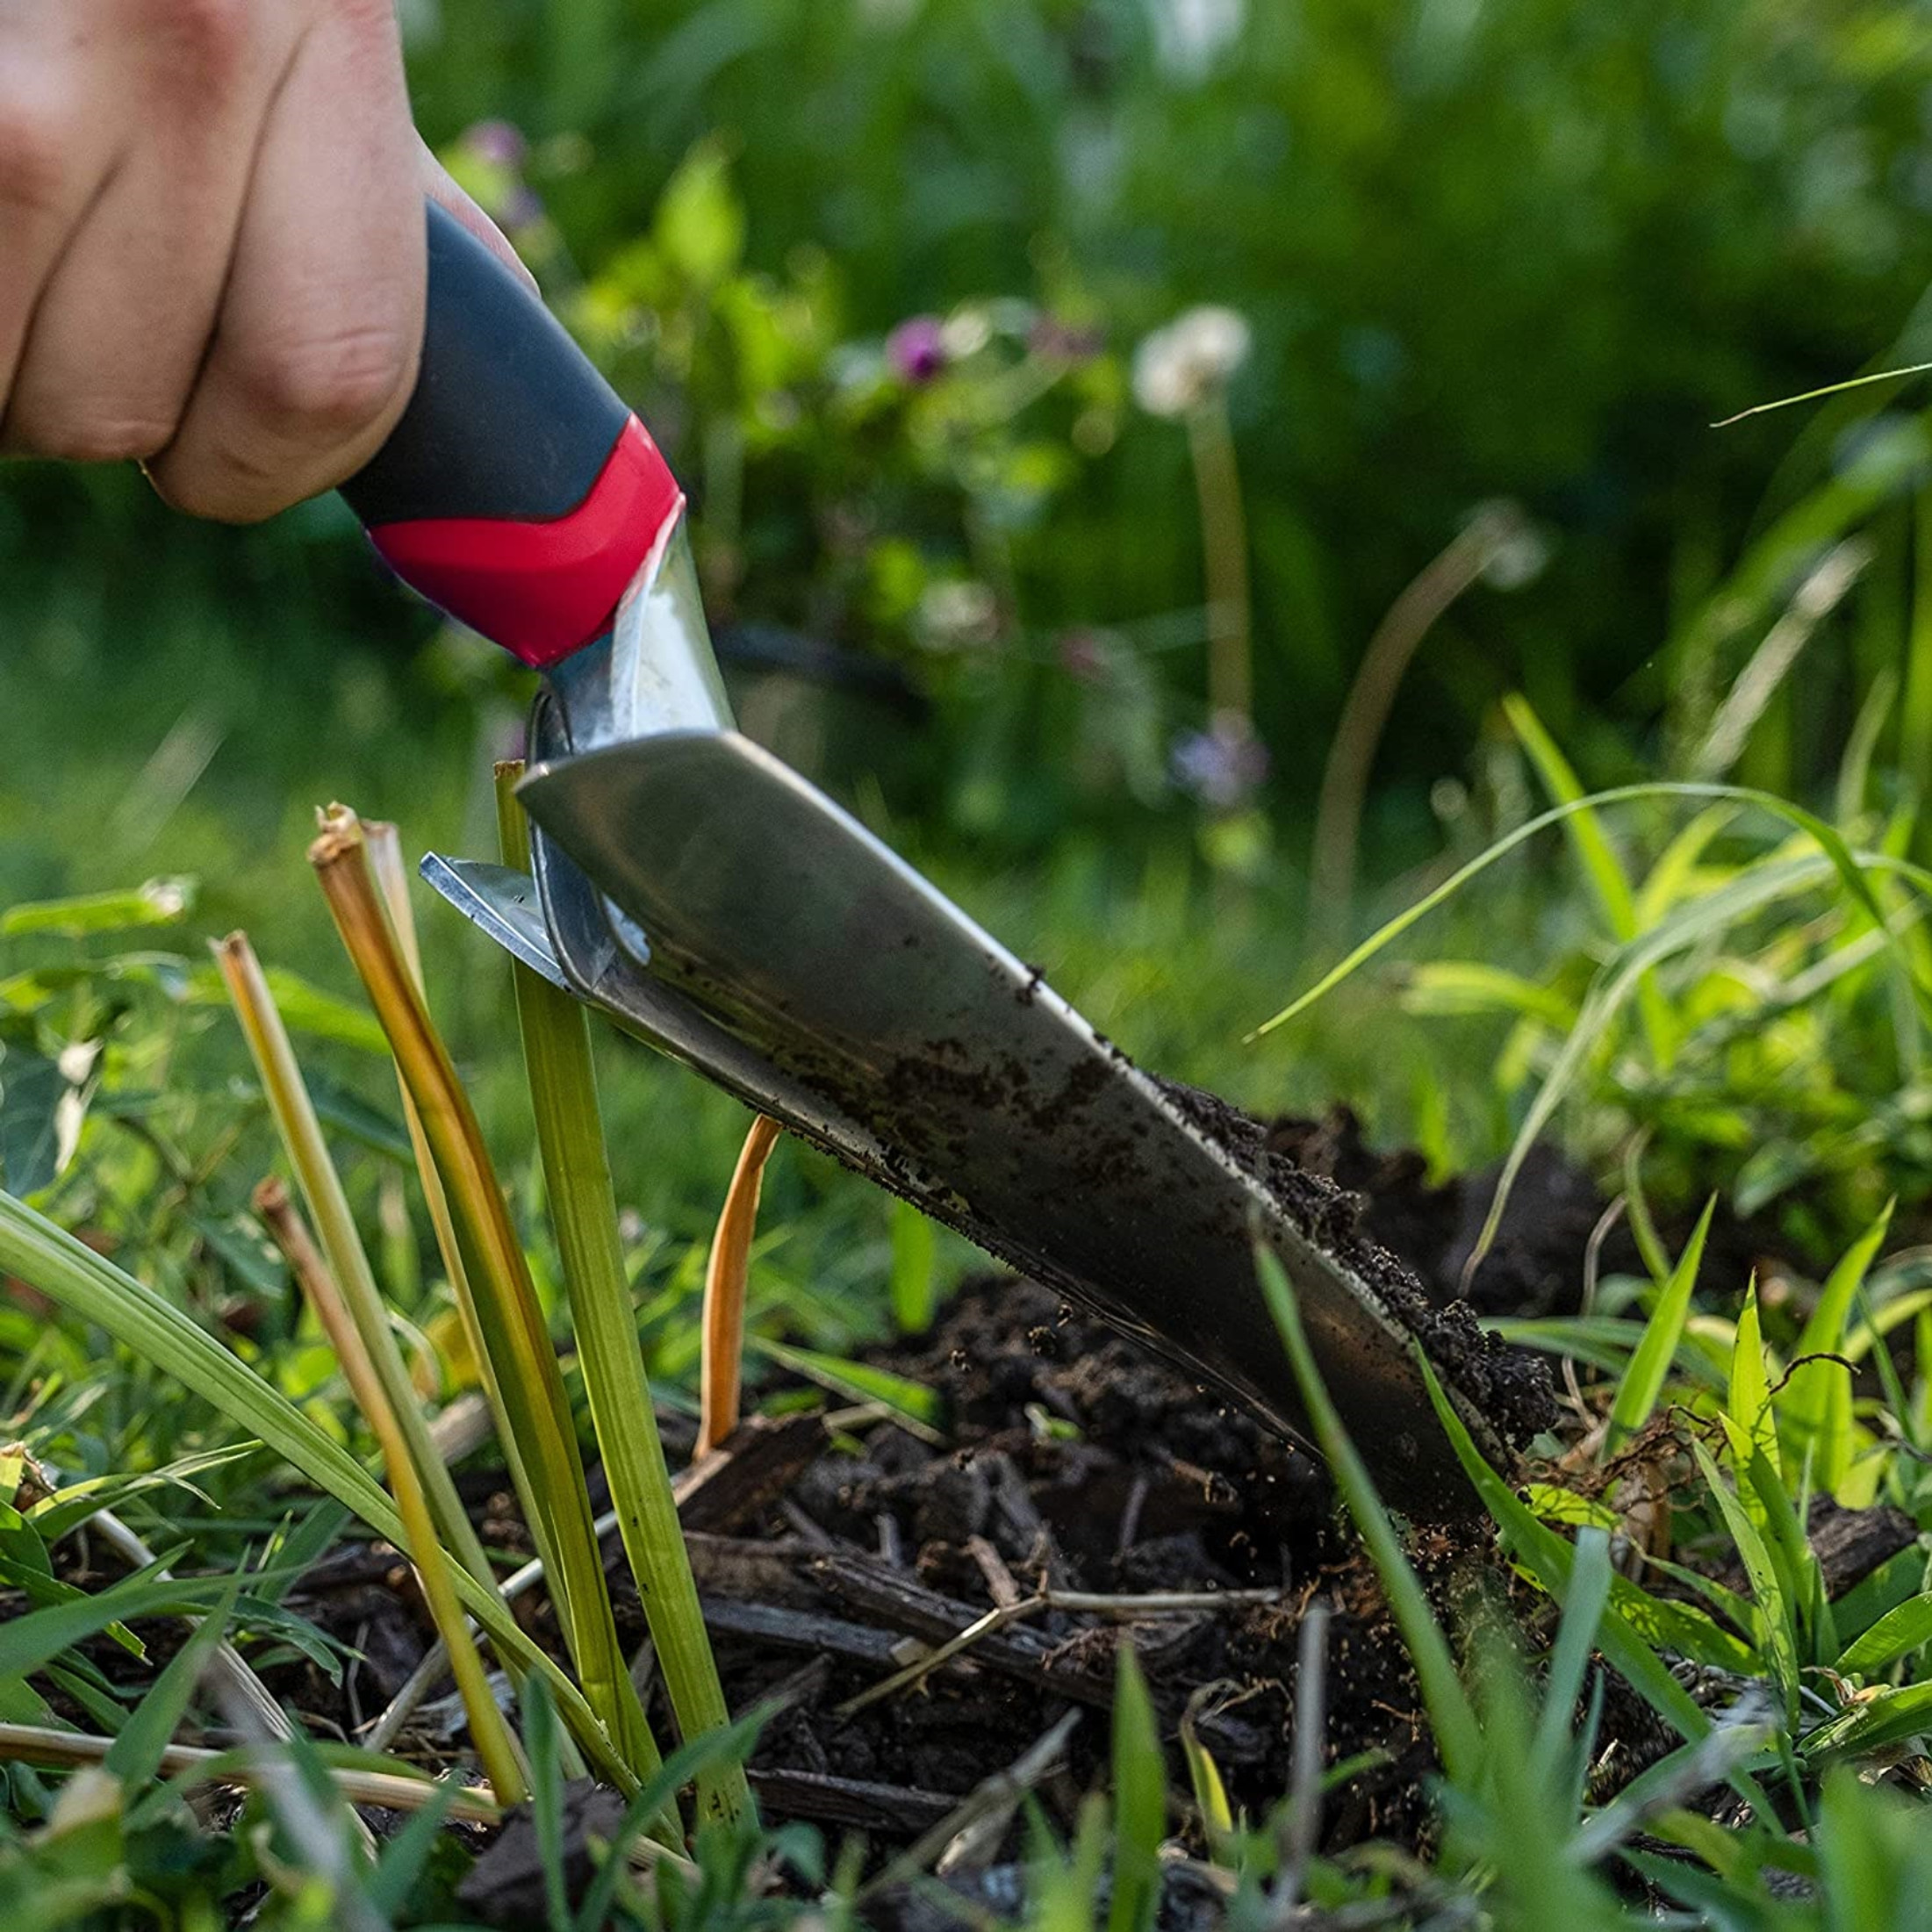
<point x="386" y="855"/>
<point x="388" y="1791"/>
<point x="321" y="1186"/>
<point x="1365" y="711"/>
<point x="1223" y="534"/>
<point x="724" y="1288"/>
<point x="533" y="1409"/>
<point x="491" y="1735"/>
<point x="1163" y="1603"/>
<point x="583" y="1205"/>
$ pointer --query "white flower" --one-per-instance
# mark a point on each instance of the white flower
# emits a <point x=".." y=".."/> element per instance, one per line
<point x="1177" y="368"/>
<point x="1190" y="36"/>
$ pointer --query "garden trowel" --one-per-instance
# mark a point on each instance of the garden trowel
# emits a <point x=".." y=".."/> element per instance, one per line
<point x="711" y="902"/>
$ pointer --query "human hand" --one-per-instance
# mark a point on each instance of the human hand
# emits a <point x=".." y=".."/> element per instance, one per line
<point x="211" y="252"/>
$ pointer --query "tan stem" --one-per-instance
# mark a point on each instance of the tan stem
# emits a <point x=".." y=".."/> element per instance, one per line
<point x="1352" y="751"/>
<point x="491" y="1735"/>
<point x="1223" y="538"/>
<point x="724" y="1287"/>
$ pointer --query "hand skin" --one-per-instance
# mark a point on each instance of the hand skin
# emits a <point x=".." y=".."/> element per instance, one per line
<point x="211" y="242"/>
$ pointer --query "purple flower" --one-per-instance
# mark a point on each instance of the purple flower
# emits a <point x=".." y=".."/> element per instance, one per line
<point x="499" y="143"/>
<point x="916" y="348"/>
<point x="1222" y="766"/>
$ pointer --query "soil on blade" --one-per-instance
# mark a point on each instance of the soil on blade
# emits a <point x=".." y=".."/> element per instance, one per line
<point x="1512" y="1387"/>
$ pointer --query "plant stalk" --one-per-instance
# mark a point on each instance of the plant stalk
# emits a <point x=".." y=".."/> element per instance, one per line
<point x="583" y="1202"/>
<point x="725" y="1281"/>
<point x="491" y="1733"/>
<point x="308" y="1154"/>
<point x="534" y="1409"/>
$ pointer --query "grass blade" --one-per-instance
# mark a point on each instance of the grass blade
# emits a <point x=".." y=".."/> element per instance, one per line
<point x="70" y="1273"/>
<point x="1458" y="1731"/>
<point x="1643" y="1382"/>
<point x="1140" y="1800"/>
<point x="583" y="1204"/>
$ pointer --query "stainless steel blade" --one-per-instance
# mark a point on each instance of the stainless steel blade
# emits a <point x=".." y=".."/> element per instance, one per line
<point x="936" y="1061"/>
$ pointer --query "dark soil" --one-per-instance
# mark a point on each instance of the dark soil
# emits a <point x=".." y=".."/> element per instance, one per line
<point x="1071" y="1461"/>
<point x="1511" y="1386"/>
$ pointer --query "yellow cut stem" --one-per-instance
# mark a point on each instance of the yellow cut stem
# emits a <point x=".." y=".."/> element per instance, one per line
<point x="724" y="1287"/>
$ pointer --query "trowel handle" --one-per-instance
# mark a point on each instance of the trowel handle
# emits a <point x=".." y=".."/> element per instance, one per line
<point x="518" y="491"/>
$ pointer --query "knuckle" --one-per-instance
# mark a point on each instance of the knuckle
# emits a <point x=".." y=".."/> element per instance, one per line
<point x="327" y="387"/>
<point x="36" y="153"/>
<point x="206" y="38"/>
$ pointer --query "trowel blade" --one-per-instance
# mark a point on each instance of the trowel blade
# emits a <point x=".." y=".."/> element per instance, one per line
<point x="992" y="1104"/>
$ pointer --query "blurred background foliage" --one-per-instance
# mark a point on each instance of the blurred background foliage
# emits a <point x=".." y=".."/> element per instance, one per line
<point x="1069" y="391"/>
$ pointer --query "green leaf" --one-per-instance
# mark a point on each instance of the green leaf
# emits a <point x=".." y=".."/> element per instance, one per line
<point x="1777" y="1613"/>
<point x="1748" y="1400"/>
<point x="144" y="1737"/>
<point x="1643" y="1382"/>
<point x="916" y="1407"/>
<point x="1140" y="1800"/>
<point x="93" y="1289"/>
<point x="1896" y="1634"/>
<point x="1886" y="1717"/>
<point x="1816" y="1401"/>
<point x="542" y="1745"/>
<point x="160" y="902"/>
<point x="1458" y="1730"/>
<point x="1449" y="987"/>
<point x="28" y="1642"/>
<point x="915" y="1268"/>
<point x="31" y="1088"/>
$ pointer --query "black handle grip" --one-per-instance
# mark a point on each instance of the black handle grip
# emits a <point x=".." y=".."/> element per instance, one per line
<point x="517" y="491"/>
<point x="508" y="421"/>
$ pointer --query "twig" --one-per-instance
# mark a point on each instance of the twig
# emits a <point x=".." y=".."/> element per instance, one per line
<point x="388" y="1791"/>
<point x="1165" y="1603"/>
<point x="983" y="1813"/>
<point x="724" y="1287"/>
<point x="1301" y="1828"/>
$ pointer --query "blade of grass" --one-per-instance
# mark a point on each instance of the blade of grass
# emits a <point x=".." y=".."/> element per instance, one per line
<point x="488" y="1731"/>
<point x="915" y="1270"/>
<point x="1643" y="1382"/>
<point x="1140" y="1800"/>
<point x="1775" y="1611"/>
<point x="583" y="1204"/>
<point x="1601" y="866"/>
<point x="536" y="1409"/>
<point x="1816" y="1401"/>
<point x="1748" y="1400"/>
<point x="86" y="1285"/>
<point x="1851" y="865"/>
<point x="1458" y="1731"/>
